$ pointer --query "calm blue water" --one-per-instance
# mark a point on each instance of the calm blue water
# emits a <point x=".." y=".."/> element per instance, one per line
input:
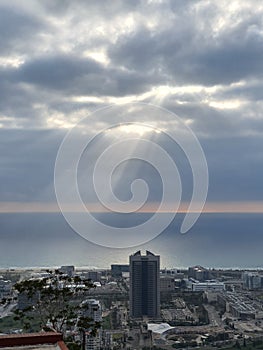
<point x="216" y="240"/>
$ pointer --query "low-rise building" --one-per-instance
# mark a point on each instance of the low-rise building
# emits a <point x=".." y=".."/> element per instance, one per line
<point x="197" y="286"/>
<point x="93" y="342"/>
<point x="167" y="284"/>
<point x="91" y="308"/>
<point x="252" y="280"/>
<point x="116" y="270"/>
<point x="239" y="305"/>
<point x="94" y="275"/>
<point x="175" y="273"/>
<point x="199" y="273"/>
<point x="68" y="270"/>
<point x="5" y="288"/>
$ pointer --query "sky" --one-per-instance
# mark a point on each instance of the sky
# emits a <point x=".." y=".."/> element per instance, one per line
<point x="62" y="60"/>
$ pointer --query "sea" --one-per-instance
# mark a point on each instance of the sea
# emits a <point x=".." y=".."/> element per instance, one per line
<point x="31" y="240"/>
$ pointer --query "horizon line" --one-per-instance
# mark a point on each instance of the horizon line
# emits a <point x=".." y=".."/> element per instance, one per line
<point x="152" y="207"/>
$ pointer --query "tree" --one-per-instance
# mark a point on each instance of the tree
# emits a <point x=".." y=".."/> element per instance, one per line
<point x="237" y="345"/>
<point x="244" y="343"/>
<point x="54" y="302"/>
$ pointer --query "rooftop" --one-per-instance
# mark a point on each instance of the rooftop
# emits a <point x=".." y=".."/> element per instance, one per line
<point x="33" y="341"/>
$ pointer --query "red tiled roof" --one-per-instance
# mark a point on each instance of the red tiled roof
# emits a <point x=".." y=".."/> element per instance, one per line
<point x="10" y="340"/>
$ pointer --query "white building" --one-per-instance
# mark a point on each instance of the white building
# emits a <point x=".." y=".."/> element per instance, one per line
<point x="68" y="270"/>
<point x="91" y="308"/>
<point x="5" y="288"/>
<point x="252" y="280"/>
<point x="93" y="342"/>
<point x="212" y="285"/>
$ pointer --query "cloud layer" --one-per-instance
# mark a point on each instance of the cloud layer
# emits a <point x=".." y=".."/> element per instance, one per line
<point x="59" y="61"/>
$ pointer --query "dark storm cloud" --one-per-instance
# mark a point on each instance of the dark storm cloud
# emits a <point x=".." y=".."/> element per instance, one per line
<point x="143" y="58"/>
<point x="18" y="29"/>
<point x="210" y="122"/>
<point x="251" y="90"/>
<point x="72" y="75"/>
<point x="57" y="72"/>
<point x="233" y="60"/>
<point x="108" y="8"/>
<point x="16" y="102"/>
<point x="185" y="54"/>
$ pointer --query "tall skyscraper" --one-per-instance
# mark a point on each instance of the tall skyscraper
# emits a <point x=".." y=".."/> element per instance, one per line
<point x="144" y="285"/>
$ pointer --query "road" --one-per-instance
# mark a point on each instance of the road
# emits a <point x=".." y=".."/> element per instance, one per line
<point x="213" y="316"/>
<point x="6" y="310"/>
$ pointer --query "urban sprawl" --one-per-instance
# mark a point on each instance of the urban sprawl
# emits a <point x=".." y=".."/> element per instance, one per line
<point x="141" y="306"/>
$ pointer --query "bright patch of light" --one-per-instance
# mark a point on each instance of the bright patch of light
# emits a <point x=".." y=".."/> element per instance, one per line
<point x="14" y="62"/>
<point x="86" y="99"/>
<point x="125" y="99"/>
<point x="59" y="122"/>
<point x="10" y="122"/>
<point x="98" y="56"/>
<point x="4" y="118"/>
<point x="38" y="106"/>
<point x="189" y="121"/>
<point x="164" y="90"/>
<point x="227" y="104"/>
<point x="239" y="83"/>
<point x="136" y="129"/>
<point x="129" y="23"/>
<point x="151" y="24"/>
